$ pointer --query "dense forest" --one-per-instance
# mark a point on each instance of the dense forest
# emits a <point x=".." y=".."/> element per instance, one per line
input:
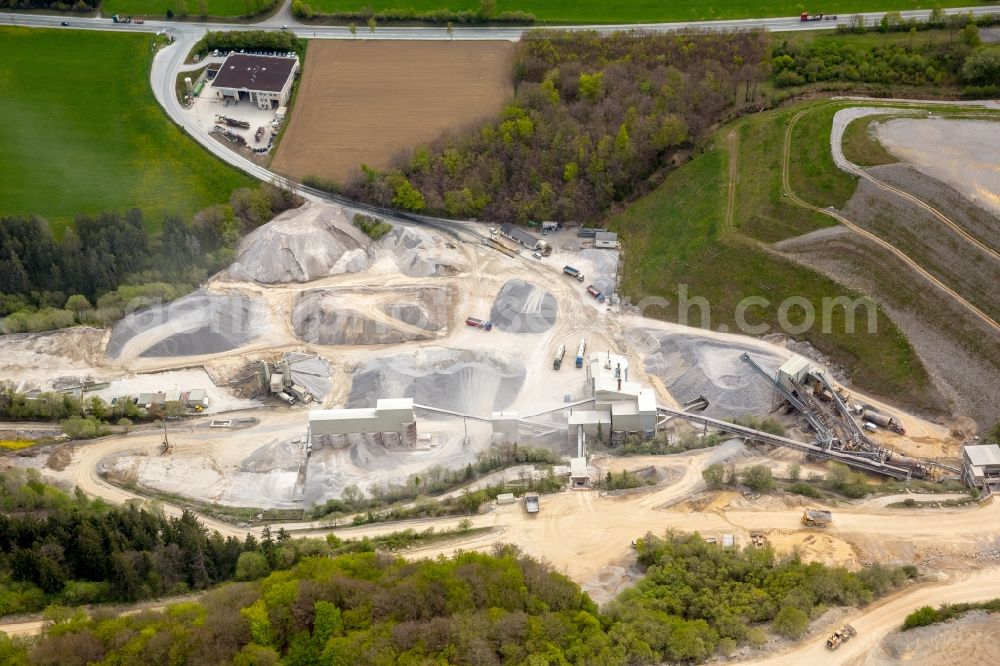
<point x="108" y="263"/>
<point x="920" y="59"/>
<point x="332" y="602"/>
<point x="593" y="117"/>
<point x="71" y="550"/>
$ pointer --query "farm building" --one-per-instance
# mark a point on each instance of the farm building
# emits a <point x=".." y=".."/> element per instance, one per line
<point x="606" y="239"/>
<point x="265" y="80"/>
<point x="981" y="468"/>
<point x="391" y="423"/>
<point x="521" y="236"/>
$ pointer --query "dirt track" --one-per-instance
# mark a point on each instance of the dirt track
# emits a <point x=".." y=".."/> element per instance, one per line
<point x="364" y="102"/>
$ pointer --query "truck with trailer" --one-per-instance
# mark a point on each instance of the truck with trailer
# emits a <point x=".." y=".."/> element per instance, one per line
<point x="557" y="361"/>
<point x="816" y="518"/>
<point x="479" y="323"/>
<point x="531" y="502"/>
<point x="806" y="16"/>
<point x="572" y="272"/>
<point x="592" y="290"/>
<point x="580" y="351"/>
<point x="841" y="636"/>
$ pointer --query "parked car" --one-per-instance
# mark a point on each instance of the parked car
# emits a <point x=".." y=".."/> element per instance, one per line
<point x="536" y="255"/>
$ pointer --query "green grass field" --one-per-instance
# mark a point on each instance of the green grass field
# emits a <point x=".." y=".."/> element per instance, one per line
<point x="82" y="133"/>
<point x="639" y="11"/>
<point x="179" y="7"/>
<point x="677" y="235"/>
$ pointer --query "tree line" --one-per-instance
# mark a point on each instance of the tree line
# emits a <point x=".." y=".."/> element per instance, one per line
<point x="593" y="119"/>
<point x="487" y="13"/>
<point x="696" y="600"/>
<point x="82" y="6"/>
<point x="952" y="61"/>
<point x="109" y="263"/>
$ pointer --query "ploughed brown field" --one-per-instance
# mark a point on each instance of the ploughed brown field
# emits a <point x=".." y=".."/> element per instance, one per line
<point x="365" y="102"/>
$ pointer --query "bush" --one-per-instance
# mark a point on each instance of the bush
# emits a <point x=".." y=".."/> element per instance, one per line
<point x="84" y="427"/>
<point x="251" y="566"/>
<point x="714" y="476"/>
<point x="373" y="227"/>
<point x="791" y="622"/>
<point x="804" y="489"/>
<point x="758" y="478"/>
<point x="922" y="617"/>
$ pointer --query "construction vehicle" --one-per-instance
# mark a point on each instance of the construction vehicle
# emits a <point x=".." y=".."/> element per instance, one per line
<point x="479" y="323"/>
<point x="842" y="635"/>
<point x="572" y="272"/>
<point x="816" y="518"/>
<point x="557" y="362"/>
<point x="580" y="351"/>
<point x="285" y="398"/>
<point x="531" y="502"/>
<point x="592" y="290"/>
<point x="758" y="539"/>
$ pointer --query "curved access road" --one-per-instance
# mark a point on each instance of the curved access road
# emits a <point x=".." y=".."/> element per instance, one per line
<point x="913" y="265"/>
<point x="845" y="117"/>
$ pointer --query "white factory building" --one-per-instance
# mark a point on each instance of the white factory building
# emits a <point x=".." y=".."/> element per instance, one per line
<point x="391" y="423"/>
<point x="981" y="467"/>
<point x="621" y="407"/>
<point x="263" y="80"/>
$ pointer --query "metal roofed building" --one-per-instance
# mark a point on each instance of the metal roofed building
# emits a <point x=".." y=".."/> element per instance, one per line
<point x="606" y="239"/>
<point x="391" y="423"/>
<point x="982" y="467"/>
<point x="265" y="80"/>
<point x="519" y="235"/>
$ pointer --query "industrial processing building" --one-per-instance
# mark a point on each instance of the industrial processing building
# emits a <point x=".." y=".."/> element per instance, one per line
<point x="981" y="467"/>
<point x="265" y="80"/>
<point x="391" y="423"/>
<point x="621" y="407"/>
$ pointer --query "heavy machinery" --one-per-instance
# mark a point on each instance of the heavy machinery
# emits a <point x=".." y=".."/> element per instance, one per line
<point x="531" y="502"/>
<point x="479" y="323"/>
<point x="557" y="361"/>
<point x="816" y="518"/>
<point x="580" y="352"/>
<point x="572" y="272"/>
<point x="842" y="635"/>
<point x="883" y="421"/>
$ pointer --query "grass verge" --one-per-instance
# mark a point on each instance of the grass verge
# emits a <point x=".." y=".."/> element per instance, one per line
<point x="677" y="247"/>
<point x="632" y="11"/>
<point x="90" y="137"/>
<point x="861" y="148"/>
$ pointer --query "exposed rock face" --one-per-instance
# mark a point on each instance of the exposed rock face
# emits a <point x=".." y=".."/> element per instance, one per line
<point x="300" y="245"/>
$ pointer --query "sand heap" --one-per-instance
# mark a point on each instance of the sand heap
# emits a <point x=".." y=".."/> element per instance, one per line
<point x="522" y="307"/>
<point x="371" y="315"/>
<point x="310" y="242"/>
<point x="690" y="366"/>
<point x="418" y="253"/>
<point x="199" y="323"/>
<point x="472" y="382"/>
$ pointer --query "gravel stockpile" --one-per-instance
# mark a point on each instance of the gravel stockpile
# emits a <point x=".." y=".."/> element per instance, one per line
<point x="690" y="366"/>
<point x="310" y="372"/>
<point x="974" y="219"/>
<point x="200" y="323"/>
<point x="460" y="380"/>
<point x="419" y="254"/>
<point x="522" y="307"/>
<point x="600" y="267"/>
<point x="300" y="245"/>
<point x="352" y="317"/>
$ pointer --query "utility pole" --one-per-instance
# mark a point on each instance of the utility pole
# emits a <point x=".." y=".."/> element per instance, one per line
<point x="166" y="442"/>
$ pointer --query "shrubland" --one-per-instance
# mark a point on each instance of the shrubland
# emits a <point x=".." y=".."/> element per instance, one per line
<point x="472" y="608"/>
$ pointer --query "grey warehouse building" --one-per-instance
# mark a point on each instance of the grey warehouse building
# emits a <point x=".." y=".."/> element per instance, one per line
<point x="265" y="80"/>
